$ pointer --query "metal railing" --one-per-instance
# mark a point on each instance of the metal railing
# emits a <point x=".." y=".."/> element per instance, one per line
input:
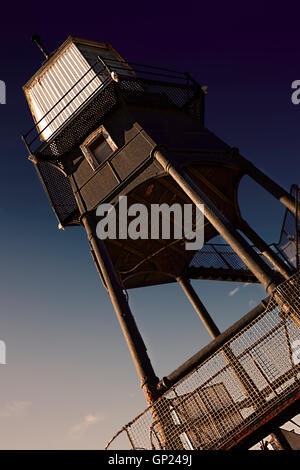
<point x="222" y="256"/>
<point x="104" y="68"/>
<point x="29" y="141"/>
<point x="218" y="255"/>
<point x="289" y="242"/>
<point x="252" y="377"/>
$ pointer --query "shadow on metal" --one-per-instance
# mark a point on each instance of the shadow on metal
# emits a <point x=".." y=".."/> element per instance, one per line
<point x="212" y="407"/>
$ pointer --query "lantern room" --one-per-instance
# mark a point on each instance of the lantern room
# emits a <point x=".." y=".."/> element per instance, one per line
<point x="67" y="80"/>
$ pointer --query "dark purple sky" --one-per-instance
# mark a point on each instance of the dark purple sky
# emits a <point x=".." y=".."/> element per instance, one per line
<point x="247" y="54"/>
<point x="56" y="318"/>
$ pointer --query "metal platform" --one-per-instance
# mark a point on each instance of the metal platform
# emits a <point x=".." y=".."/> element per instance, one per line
<point x="249" y="380"/>
<point x="166" y="87"/>
<point x="219" y="262"/>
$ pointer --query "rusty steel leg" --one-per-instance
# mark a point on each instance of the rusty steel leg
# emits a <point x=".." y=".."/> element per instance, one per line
<point x="243" y="377"/>
<point x="200" y="309"/>
<point x="256" y="265"/>
<point x="130" y="330"/>
<point x="267" y="183"/>
<point x="149" y="381"/>
<point x="266" y="250"/>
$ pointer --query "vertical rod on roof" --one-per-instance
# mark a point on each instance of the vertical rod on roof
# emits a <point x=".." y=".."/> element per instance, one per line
<point x="37" y="40"/>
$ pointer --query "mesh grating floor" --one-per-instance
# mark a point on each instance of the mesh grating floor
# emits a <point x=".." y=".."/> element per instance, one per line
<point x="254" y="375"/>
<point x="289" y="243"/>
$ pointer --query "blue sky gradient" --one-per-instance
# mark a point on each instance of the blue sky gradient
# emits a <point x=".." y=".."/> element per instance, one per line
<point x="69" y="381"/>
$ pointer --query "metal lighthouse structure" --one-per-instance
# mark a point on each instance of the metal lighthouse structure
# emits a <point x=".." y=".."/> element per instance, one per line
<point x="106" y="128"/>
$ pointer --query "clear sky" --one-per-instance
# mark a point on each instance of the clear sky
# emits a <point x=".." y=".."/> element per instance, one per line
<point x="69" y="381"/>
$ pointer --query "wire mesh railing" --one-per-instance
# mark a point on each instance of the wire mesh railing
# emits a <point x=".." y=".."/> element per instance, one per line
<point x="218" y="255"/>
<point x="169" y="82"/>
<point x="66" y="100"/>
<point x="222" y="256"/>
<point x="252" y="377"/>
<point x="177" y="89"/>
<point x="289" y="243"/>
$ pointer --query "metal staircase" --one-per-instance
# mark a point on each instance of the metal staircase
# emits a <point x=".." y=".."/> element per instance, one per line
<point x="237" y="388"/>
<point x="218" y="261"/>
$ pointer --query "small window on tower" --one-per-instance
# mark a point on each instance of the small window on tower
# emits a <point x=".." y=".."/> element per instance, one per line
<point x="98" y="147"/>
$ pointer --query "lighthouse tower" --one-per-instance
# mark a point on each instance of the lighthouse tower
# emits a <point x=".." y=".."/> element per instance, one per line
<point x="106" y="129"/>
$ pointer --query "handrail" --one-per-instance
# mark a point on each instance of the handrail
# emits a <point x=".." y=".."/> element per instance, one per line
<point x="297" y="220"/>
<point x="107" y="64"/>
<point x="254" y="343"/>
<point x="67" y="92"/>
<point x="163" y="69"/>
<point x="74" y="97"/>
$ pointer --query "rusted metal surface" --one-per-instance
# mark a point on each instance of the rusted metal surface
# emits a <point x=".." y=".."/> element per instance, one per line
<point x="262" y="421"/>
<point x="217" y="219"/>
<point x="249" y="377"/>
<point x="126" y="320"/>
<point x="212" y="407"/>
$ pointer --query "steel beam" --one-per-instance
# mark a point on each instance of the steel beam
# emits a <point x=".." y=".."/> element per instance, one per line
<point x="266" y="250"/>
<point x="260" y="269"/>
<point x="212" y="347"/>
<point x="245" y="380"/>
<point x="130" y="330"/>
<point x="200" y="309"/>
<point x="267" y="183"/>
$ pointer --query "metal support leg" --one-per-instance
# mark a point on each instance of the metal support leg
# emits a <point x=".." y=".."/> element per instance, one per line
<point x="257" y="266"/>
<point x="267" y="183"/>
<point x="130" y="330"/>
<point x="243" y="377"/>
<point x="266" y="250"/>
<point x="203" y="314"/>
